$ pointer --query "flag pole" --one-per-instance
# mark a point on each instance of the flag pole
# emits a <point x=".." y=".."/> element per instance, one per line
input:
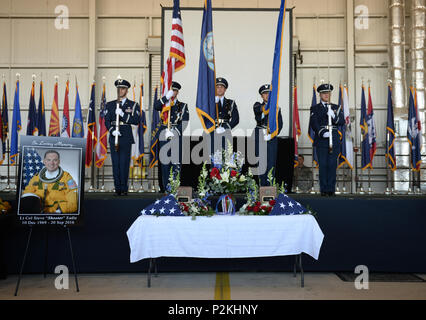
<point x="93" y="140"/>
<point x="102" y="189"/>
<point x="142" y="160"/>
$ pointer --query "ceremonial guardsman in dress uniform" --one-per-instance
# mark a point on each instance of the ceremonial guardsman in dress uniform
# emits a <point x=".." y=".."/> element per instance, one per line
<point x="327" y="138"/>
<point x="261" y="133"/>
<point x="228" y="117"/>
<point x="128" y="113"/>
<point x="179" y="117"/>
<point x="56" y="189"/>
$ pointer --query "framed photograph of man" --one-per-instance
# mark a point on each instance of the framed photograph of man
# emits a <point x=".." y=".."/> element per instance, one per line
<point x="50" y="180"/>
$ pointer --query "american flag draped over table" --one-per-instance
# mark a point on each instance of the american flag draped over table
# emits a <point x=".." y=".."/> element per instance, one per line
<point x="32" y="165"/>
<point x="166" y="206"/>
<point x="284" y="205"/>
<point x="176" y="59"/>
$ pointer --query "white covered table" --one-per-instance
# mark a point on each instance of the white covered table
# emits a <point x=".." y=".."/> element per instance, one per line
<point x="224" y="237"/>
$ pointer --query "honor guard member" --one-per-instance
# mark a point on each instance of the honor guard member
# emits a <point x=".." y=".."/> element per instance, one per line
<point x="179" y="117"/>
<point x="228" y="117"/>
<point x="55" y="188"/>
<point x="262" y="136"/>
<point x="327" y="148"/>
<point x="128" y="114"/>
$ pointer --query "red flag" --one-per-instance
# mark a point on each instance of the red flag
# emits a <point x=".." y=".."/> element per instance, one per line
<point x="296" y="127"/>
<point x="101" y="148"/>
<point x="54" y="117"/>
<point x="92" y="136"/>
<point x="65" y="132"/>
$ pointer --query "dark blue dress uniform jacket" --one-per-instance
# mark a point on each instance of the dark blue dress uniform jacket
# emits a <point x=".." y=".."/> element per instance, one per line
<point x="179" y="114"/>
<point x="319" y="121"/>
<point x="228" y="112"/>
<point x="131" y="116"/>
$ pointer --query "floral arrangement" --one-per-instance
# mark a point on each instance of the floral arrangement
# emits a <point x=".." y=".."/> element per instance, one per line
<point x="197" y="207"/>
<point x="226" y="177"/>
<point x="258" y="208"/>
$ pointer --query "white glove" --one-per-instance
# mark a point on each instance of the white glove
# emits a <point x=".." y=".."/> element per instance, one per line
<point x="267" y="137"/>
<point x="169" y="134"/>
<point x="220" y="130"/>
<point x="216" y="99"/>
<point x="119" y="112"/>
<point x="116" y="133"/>
<point x="331" y="113"/>
<point x="326" y="134"/>
<point x="169" y="94"/>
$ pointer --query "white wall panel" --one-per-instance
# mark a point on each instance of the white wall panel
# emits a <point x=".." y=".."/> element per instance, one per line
<point x="5" y="38"/>
<point x="321" y="33"/>
<point x="30" y="41"/>
<point x="117" y="33"/>
<point x="47" y="7"/>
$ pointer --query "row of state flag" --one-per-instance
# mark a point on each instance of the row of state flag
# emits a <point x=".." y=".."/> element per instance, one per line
<point x="36" y="125"/>
<point x="368" y="130"/>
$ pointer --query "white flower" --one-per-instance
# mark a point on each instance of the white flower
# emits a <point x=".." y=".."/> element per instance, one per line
<point x="225" y="176"/>
<point x="242" y="178"/>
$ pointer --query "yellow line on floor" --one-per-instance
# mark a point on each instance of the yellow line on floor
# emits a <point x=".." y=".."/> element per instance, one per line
<point x="222" y="289"/>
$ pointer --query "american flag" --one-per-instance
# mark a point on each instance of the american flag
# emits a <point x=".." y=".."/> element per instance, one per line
<point x="166" y="206"/>
<point x="284" y="205"/>
<point x="176" y="59"/>
<point x="32" y="165"/>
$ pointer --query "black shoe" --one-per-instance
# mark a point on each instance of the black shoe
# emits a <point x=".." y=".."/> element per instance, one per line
<point x="323" y="194"/>
<point x="124" y="193"/>
<point x="118" y="193"/>
<point x="331" y="194"/>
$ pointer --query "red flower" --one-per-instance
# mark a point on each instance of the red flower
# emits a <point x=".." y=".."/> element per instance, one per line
<point x="256" y="209"/>
<point x="272" y="203"/>
<point x="249" y="208"/>
<point x="257" y="203"/>
<point x="233" y="173"/>
<point x="269" y="209"/>
<point x="215" y="174"/>
<point x="264" y="208"/>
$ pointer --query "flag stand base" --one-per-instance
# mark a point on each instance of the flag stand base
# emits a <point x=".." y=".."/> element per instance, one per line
<point x="102" y="189"/>
<point x="91" y="189"/>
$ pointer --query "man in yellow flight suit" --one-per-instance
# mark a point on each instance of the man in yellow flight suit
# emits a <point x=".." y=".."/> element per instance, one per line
<point x="55" y="187"/>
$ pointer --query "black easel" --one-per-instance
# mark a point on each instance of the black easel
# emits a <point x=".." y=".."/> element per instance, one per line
<point x="45" y="261"/>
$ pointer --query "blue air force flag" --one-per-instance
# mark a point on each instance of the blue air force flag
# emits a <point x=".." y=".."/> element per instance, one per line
<point x="272" y="105"/>
<point x="166" y="206"/>
<point x="205" y="104"/>
<point x="284" y="205"/>
<point x="32" y="165"/>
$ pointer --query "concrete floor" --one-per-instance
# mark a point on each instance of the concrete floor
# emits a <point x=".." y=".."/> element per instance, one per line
<point x="205" y="286"/>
